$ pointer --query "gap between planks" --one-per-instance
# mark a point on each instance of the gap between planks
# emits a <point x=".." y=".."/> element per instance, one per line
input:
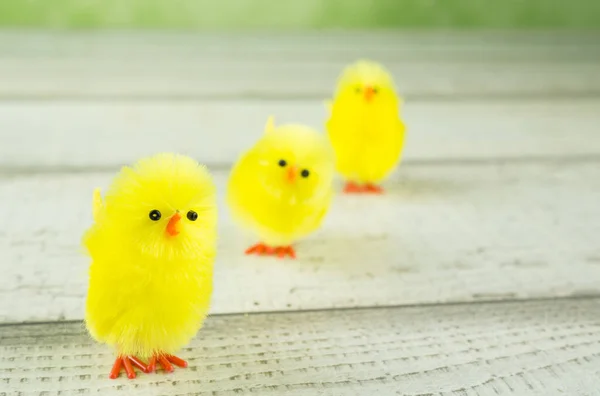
<point x="8" y="172"/>
<point x="577" y="296"/>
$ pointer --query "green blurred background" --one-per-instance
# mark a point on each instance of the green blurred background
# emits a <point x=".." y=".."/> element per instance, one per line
<point x="298" y="14"/>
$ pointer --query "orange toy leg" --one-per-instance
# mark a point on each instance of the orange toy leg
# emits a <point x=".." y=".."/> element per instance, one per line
<point x="259" y="248"/>
<point x="126" y="362"/>
<point x="352" y="188"/>
<point x="374" y="189"/>
<point x="165" y="361"/>
<point x="280" y="251"/>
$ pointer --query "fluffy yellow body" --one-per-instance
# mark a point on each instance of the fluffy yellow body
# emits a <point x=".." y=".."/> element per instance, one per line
<point x="140" y="314"/>
<point x="368" y="140"/>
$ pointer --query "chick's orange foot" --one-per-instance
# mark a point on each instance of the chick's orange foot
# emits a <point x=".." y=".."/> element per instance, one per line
<point x="280" y="251"/>
<point x="127" y="363"/>
<point x="374" y="189"/>
<point x="166" y="362"/>
<point x="354" y="188"/>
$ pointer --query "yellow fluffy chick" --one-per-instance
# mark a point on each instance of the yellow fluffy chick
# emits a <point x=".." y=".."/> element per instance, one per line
<point x="281" y="188"/>
<point x="152" y="247"/>
<point x="364" y="128"/>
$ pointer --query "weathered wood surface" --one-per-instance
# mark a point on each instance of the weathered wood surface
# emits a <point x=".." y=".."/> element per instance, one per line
<point x="543" y="348"/>
<point x="287" y="65"/>
<point x="443" y="233"/>
<point x="497" y="199"/>
<point x="50" y="136"/>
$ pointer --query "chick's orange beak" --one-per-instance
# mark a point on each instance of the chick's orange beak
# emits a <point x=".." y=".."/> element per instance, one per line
<point x="369" y="92"/>
<point x="292" y="173"/>
<point x="172" y="224"/>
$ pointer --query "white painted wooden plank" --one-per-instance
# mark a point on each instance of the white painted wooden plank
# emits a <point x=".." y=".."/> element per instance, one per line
<point x="543" y="348"/>
<point x="535" y="44"/>
<point x="443" y="233"/>
<point x="100" y="135"/>
<point x="291" y="65"/>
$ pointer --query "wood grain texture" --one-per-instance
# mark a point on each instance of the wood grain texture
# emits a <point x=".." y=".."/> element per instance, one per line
<point x="533" y="348"/>
<point x="443" y="233"/>
<point x="78" y="134"/>
<point x="103" y="64"/>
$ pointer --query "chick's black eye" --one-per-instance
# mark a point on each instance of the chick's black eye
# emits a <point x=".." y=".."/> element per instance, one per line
<point x="357" y="90"/>
<point x="282" y="163"/>
<point x="305" y="173"/>
<point x="375" y="90"/>
<point x="192" y="216"/>
<point x="154" y="215"/>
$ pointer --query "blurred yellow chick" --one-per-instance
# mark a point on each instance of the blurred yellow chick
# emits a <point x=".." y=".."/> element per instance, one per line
<point x="365" y="127"/>
<point x="152" y="247"/>
<point x="281" y="188"/>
